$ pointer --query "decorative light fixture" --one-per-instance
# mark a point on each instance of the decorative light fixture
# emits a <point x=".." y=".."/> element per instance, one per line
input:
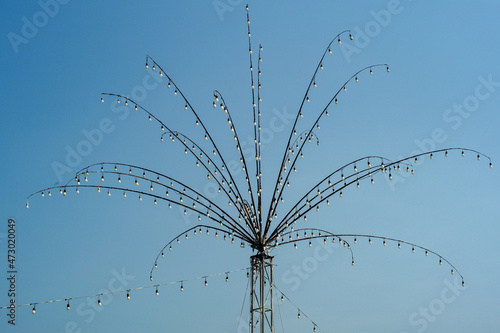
<point x="248" y="221"/>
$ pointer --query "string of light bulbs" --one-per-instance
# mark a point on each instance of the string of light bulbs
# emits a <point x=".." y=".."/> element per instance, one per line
<point x="129" y="290"/>
<point x="300" y="313"/>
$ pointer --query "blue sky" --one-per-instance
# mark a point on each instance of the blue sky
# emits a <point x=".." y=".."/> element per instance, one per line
<point x="443" y="91"/>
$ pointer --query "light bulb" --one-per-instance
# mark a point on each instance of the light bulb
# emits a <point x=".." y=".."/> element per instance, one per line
<point x="445" y="154"/>
<point x="34" y="309"/>
<point x="351" y="37"/>
<point x="102" y="100"/>
<point x="388" y="70"/>
<point x="371" y="72"/>
<point x="157" y="293"/>
<point x="339" y="41"/>
<point x="99" y="302"/>
<point x="128" y="295"/>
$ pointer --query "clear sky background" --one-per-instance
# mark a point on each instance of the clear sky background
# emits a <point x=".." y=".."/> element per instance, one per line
<point x="443" y="58"/>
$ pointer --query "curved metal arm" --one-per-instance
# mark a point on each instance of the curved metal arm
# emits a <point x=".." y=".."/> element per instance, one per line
<point x="164" y="126"/>
<point x="253" y="106"/>
<point x="188" y="104"/>
<point x="130" y="166"/>
<point x="258" y="143"/>
<point x="156" y="197"/>
<point x="275" y="202"/>
<point x="357" y="176"/>
<point x="327" y="50"/>
<point x="242" y="156"/>
<point x="185" y="232"/>
<point x="330" y="184"/>
<point x="327" y="234"/>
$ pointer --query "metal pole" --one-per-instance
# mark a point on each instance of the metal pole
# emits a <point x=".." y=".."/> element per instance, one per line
<point x="262" y="293"/>
<point x="252" y="293"/>
<point x="261" y="301"/>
